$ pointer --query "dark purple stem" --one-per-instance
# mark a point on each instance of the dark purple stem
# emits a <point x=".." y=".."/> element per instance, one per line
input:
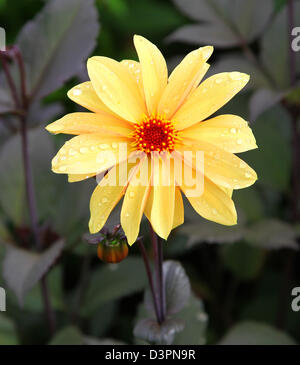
<point x="149" y="275"/>
<point x="30" y="193"/>
<point x="11" y="84"/>
<point x="20" y="62"/>
<point x="158" y="261"/>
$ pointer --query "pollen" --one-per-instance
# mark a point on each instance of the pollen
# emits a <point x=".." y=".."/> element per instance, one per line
<point x="155" y="133"/>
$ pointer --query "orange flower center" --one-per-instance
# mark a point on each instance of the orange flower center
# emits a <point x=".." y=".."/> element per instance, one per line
<point x="155" y="133"/>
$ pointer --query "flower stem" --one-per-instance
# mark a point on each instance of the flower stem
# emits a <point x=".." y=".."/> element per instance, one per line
<point x="10" y="81"/>
<point x="149" y="275"/>
<point x="158" y="260"/>
<point x="30" y="193"/>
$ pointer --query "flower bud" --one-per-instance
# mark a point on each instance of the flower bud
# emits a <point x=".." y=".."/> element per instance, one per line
<point x="112" y="250"/>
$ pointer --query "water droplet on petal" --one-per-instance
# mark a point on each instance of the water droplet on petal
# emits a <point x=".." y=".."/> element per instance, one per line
<point x="72" y="152"/>
<point x="114" y="145"/>
<point x="104" y="146"/>
<point x="77" y="92"/>
<point x="219" y="81"/>
<point x="104" y="200"/>
<point x="247" y="175"/>
<point x="131" y="194"/>
<point x="62" y="168"/>
<point x="83" y="150"/>
<point x="239" y="141"/>
<point x="233" y="130"/>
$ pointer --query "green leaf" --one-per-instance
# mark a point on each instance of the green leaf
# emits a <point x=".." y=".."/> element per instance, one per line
<point x="23" y="269"/>
<point x="140" y="15"/>
<point x="225" y="23"/>
<point x="33" y="302"/>
<point x="272" y="234"/>
<point x="114" y="281"/>
<point x="255" y="333"/>
<point x="194" y="332"/>
<point x="244" y="261"/>
<point x="263" y="100"/>
<point x="68" y="336"/>
<point x="275" y="54"/>
<point x="240" y="63"/>
<point x="177" y="289"/>
<point x="71" y="335"/>
<point x="56" y="42"/>
<point x="149" y="330"/>
<point x="6" y="103"/>
<point x="60" y="203"/>
<point x="250" y="203"/>
<point x="210" y="232"/>
<point x="218" y="35"/>
<point x="272" y="159"/>
<point x="8" y="333"/>
<point x="101" y="341"/>
<point x="12" y="173"/>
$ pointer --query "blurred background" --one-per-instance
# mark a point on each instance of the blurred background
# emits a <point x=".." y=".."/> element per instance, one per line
<point x="242" y="276"/>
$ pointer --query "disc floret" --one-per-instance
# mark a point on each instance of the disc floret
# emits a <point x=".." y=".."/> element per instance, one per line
<point x="155" y="133"/>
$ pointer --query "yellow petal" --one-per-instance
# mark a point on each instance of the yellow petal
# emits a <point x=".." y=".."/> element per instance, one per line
<point x="161" y="202"/>
<point x="210" y="96"/>
<point x="90" y="153"/>
<point x="79" y="177"/>
<point x="154" y="71"/>
<point x="84" y="123"/>
<point x="85" y="95"/>
<point x="116" y="87"/>
<point x="228" y="132"/>
<point x="213" y="203"/>
<point x="178" y="218"/>
<point x="135" y="70"/>
<point x="185" y="77"/>
<point x="106" y="196"/>
<point x="223" y="168"/>
<point x="134" y="203"/>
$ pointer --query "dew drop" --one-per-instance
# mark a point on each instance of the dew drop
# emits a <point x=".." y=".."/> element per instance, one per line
<point x="247" y="175"/>
<point x="218" y="81"/>
<point x="239" y="141"/>
<point x="104" y="146"/>
<point x="114" y="145"/>
<point x="72" y="152"/>
<point x="77" y="92"/>
<point x="104" y="200"/>
<point x="214" y="211"/>
<point x="62" y="168"/>
<point x="131" y="194"/>
<point x="83" y="150"/>
<point x="233" y="130"/>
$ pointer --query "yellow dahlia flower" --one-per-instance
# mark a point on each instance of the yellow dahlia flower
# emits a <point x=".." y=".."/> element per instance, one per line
<point x="157" y="118"/>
